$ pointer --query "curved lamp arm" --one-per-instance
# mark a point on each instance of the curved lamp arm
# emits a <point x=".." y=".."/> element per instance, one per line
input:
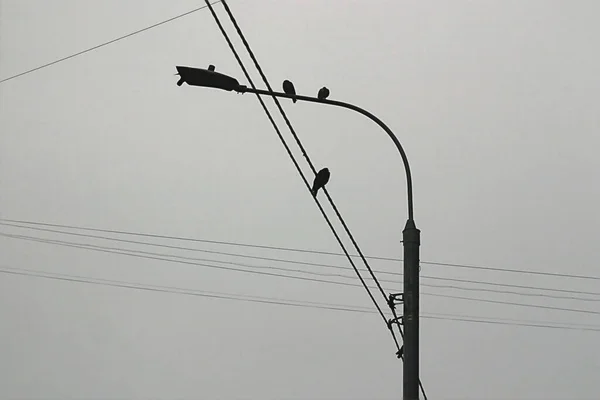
<point x="244" y="89"/>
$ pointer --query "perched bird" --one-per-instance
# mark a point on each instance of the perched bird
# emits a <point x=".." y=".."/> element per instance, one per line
<point x="321" y="180"/>
<point x="288" y="88"/>
<point x="323" y="93"/>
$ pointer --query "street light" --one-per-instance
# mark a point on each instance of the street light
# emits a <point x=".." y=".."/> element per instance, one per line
<point x="206" y="77"/>
<point x="410" y="234"/>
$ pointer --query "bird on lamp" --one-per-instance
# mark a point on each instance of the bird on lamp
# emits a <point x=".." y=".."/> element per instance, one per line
<point x="323" y="93"/>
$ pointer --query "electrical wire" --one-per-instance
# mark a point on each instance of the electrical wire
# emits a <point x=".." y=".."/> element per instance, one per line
<point x="307" y="184"/>
<point x="301" y="271"/>
<point x="105" y="43"/>
<point x="189" y="239"/>
<point x="176" y="290"/>
<point x="299" y="143"/>
<point x="167" y="257"/>
<point x="316" y="265"/>
<point x="282" y="301"/>
<point x="178" y="247"/>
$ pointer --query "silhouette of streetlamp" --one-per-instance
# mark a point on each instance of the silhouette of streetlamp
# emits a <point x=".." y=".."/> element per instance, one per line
<point x="410" y="235"/>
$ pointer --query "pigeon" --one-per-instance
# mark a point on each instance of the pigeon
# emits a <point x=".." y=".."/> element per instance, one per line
<point x="323" y="93"/>
<point x="288" y="88"/>
<point x="321" y="180"/>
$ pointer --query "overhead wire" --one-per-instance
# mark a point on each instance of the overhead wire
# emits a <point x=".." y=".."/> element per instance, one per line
<point x="298" y="142"/>
<point x="169" y="258"/>
<point x="307" y="251"/>
<point x="166" y="289"/>
<point x="178" y="247"/>
<point x="84" y="246"/>
<point x="98" y="46"/>
<point x="285" y="302"/>
<point x="319" y="265"/>
<point x="290" y="154"/>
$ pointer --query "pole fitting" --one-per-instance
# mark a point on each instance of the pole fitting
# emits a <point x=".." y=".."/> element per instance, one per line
<point x="398" y="320"/>
<point x="400" y="353"/>
<point x="394" y="299"/>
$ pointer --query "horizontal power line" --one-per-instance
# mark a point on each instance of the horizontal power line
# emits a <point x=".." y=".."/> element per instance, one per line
<point x="162" y="258"/>
<point x="497" y="269"/>
<point x="281" y="260"/>
<point x="180" y="247"/>
<point x="281" y="301"/>
<point x="300" y="271"/>
<point x="128" y="285"/>
<point x="512" y="285"/>
<point x="105" y="43"/>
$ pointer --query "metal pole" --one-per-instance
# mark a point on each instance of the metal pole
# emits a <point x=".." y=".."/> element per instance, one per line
<point x="411" y="238"/>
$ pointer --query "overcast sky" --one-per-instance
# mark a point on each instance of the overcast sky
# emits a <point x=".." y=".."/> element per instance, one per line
<point x="495" y="102"/>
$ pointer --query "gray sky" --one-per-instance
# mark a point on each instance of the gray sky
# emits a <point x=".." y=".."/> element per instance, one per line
<point x="495" y="102"/>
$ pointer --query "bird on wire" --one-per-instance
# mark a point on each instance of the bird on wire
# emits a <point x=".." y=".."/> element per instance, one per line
<point x="320" y="181"/>
<point x="288" y="88"/>
<point x="323" y="93"/>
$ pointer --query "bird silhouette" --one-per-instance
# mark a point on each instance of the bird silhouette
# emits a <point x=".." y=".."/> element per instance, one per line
<point x="288" y="88"/>
<point x="320" y="181"/>
<point x="323" y="93"/>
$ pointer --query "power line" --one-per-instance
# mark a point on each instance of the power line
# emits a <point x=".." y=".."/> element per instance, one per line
<point x="517" y="271"/>
<point x="309" y="251"/>
<point x="549" y="296"/>
<point x="299" y="143"/>
<point x="512" y="285"/>
<point x="537" y="322"/>
<point x="290" y="154"/>
<point x="577" y="310"/>
<point x="179" y="247"/>
<point x="163" y="289"/>
<point x="353" y="307"/>
<point x="326" y="266"/>
<point x="161" y="257"/>
<point x="280" y="301"/>
<point x="467" y="319"/>
<point x="105" y="43"/>
<point x="300" y="271"/>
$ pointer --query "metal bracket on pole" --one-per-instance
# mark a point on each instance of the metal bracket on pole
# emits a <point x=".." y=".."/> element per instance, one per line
<point x="395" y="299"/>
<point x="398" y="320"/>
<point x="400" y="353"/>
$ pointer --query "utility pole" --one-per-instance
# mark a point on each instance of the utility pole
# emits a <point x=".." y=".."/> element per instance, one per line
<point x="411" y="236"/>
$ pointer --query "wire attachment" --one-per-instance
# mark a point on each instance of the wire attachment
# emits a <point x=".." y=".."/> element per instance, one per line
<point x="400" y="353"/>
<point x="398" y="320"/>
<point x="395" y="299"/>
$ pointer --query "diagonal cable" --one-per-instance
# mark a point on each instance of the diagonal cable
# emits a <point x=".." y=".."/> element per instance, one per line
<point x="292" y="130"/>
<point x="307" y="184"/>
<point x="283" y="114"/>
<point x="105" y="43"/>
